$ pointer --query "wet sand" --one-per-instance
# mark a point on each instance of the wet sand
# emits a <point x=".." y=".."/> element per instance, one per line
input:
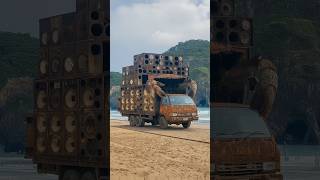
<point x="152" y="153"/>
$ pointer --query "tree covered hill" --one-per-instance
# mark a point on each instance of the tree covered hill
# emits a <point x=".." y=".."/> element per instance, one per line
<point x="18" y="56"/>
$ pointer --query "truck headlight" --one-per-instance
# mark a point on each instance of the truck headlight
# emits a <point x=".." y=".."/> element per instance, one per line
<point x="174" y="114"/>
<point x="269" y="166"/>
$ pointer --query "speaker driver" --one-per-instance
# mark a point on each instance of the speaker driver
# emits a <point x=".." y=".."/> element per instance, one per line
<point x="88" y="97"/>
<point x="70" y="145"/>
<point x="55" y="124"/>
<point x="41" y="99"/>
<point x="226" y="9"/>
<point x="55" y="66"/>
<point x="68" y="64"/>
<point x="55" y="36"/>
<point x="41" y="124"/>
<point x="41" y="146"/>
<point x="70" y="99"/>
<point x="55" y="144"/>
<point x="90" y="126"/>
<point x="55" y="100"/>
<point x="70" y="123"/>
<point x="43" y="67"/>
<point x="44" y="38"/>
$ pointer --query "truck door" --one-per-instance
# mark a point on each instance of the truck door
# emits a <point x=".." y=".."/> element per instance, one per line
<point x="164" y="105"/>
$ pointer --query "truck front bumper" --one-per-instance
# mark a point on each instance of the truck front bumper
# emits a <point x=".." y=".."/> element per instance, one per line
<point x="180" y="119"/>
<point x="250" y="177"/>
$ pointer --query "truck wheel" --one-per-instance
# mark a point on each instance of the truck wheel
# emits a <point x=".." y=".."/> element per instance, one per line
<point x="153" y="123"/>
<point x="132" y="121"/>
<point x="163" y="123"/>
<point x="71" y="174"/>
<point x="186" y="124"/>
<point x="139" y="121"/>
<point x="88" y="175"/>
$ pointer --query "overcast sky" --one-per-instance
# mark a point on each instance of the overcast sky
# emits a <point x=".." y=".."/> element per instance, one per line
<point x="139" y="26"/>
<point x="136" y="25"/>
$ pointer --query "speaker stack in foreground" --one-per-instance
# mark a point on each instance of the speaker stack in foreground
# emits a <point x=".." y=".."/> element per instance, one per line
<point x="231" y="42"/>
<point x="70" y="110"/>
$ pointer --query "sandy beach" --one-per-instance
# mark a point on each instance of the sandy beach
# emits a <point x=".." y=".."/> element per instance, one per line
<point x="153" y="153"/>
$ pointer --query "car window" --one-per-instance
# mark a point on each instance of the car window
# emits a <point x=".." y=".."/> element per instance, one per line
<point x="165" y="100"/>
<point x="230" y="122"/>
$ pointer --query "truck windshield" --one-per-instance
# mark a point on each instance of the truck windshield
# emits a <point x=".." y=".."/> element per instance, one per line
<point x="181" y="100"/>
<point x="237" y="122"/>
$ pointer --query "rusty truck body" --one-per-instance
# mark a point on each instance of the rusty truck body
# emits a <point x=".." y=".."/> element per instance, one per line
<point x="242" y="146"/>
<point x="157" y="90"/>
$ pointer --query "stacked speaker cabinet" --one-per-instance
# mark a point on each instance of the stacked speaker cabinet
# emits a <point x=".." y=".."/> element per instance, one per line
<point x="71" y="95"/>
<point x="231" y="42"/>
<point x="222" y="8"/>
<point x="228" y="30"/>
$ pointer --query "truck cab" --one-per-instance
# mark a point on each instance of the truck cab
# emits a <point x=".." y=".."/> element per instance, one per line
<point x="177" y="109"/>
<point x="243" y="147"/>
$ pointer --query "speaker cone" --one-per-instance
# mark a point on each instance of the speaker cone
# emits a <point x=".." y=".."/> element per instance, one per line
<point x="41" y="124"/>
<point x="55" y="144"/>
<point x="55" y="36"/>
<point x="70" y="145"/>
<point x="226" y="9"/>
<point x="70" y="98"/>
<point x="70" y="123"/>
<point x="41" y="100"/>
<point x="43" y="67"/>
<point x="55" y="100"/>
<point x="68" y="64"/>
<point x="41" y="146"/>
<point x="55" y="66"/>
<point x="44" y="38"/>
<point x="88" y="97"/>
<point x="90" y="126"/>
<point x="55" y="124"/>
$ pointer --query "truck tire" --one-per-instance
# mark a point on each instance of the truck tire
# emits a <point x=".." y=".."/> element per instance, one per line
<point x="132" y="121"/>
<point x="186" y="124"/>
<point x="88" y="175"/>
<point x="139" y="121"/>
<point x="71" y="174"/>
<point x="163" y="123"/>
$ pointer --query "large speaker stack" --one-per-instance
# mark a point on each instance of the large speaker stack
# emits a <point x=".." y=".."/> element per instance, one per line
<point x="134" y="97"/>
<point x="71" y="93"/>
<point x="231" y="42"/>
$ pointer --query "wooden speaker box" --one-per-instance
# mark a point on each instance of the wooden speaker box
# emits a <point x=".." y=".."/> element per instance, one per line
<point x="92" y="135"/>
<point x="44" y="62"/>
<point x="55" y="62"/>
<point x="41" y="95"/>
<point x="70" y="94"/>
<point x="222" y="8"/>
<point x="55" y="95"/>
<point x="91" y="93"/>
<point x="232" y="31"/>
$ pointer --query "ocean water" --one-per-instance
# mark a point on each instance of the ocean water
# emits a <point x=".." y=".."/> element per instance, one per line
<point x="204" y="116"/>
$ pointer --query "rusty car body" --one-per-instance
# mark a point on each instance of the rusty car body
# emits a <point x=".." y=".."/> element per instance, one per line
<point x="242" y="146"/>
